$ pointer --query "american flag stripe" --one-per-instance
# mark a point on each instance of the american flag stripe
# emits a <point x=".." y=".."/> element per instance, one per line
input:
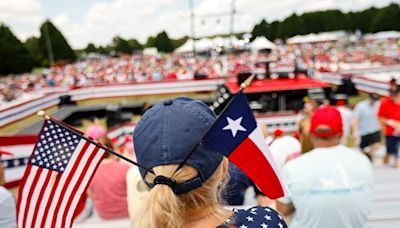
<point x="82" y="158"/>
<point x="23" y="195"/>
<point x="75" y="181"/>
<point x="51" y="190"/>
<point x="33" y="181"/>
<point x="57" y="176"/>
<point x="42" y="174"/>
<point x="62" y="182"/>
<point x="42" y="191"/>
<point x="83" y="187"/>
<point x="30" y="193"/>
<point x="35" y="173"/>
<point x="47" y="205"/>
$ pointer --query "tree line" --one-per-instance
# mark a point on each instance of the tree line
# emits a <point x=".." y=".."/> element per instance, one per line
<point x="366" y="21"/>
<point x="17" y="56"/>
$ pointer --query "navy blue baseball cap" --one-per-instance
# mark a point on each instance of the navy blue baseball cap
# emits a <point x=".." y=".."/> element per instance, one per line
<point x="167" y="133"/>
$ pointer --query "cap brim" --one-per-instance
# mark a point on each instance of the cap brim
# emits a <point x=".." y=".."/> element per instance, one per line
<point x="325" y="134"/>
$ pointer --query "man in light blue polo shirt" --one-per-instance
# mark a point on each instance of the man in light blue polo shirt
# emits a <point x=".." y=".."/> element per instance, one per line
<point x="366" y="126"/>
<point x="331" y="186"/>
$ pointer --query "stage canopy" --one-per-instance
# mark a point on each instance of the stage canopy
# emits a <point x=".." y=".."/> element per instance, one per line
<point x="315" y="38"/>
<point x="383" y="35"/>
<point x="261" y="43"/>
<point x="186" y="47"/>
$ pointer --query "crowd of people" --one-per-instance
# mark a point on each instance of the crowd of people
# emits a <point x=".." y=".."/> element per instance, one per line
<point x="325" y="56"/>
<point x="317" y="160"/>
<point x="330" y="183"/>
<point x="338" y="56"/>
<point x="118" y="70"/>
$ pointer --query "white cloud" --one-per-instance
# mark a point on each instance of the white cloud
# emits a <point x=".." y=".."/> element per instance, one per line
<point x="104" y="20"/>
<point x="142" y="18"/>
<point x="23" y="16"/>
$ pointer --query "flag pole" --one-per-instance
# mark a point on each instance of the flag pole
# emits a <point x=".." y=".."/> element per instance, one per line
<point x="243" y="86"/>
<point x="42" y="114"/>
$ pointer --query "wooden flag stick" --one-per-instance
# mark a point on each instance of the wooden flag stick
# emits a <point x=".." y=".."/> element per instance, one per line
<point x="247" y="82"/>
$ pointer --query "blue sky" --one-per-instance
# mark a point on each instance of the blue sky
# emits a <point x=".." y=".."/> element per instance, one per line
<point x="97" y="21"/>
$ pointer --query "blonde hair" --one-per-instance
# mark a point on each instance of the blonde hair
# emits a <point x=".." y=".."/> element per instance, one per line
<point x="162" y="208"/>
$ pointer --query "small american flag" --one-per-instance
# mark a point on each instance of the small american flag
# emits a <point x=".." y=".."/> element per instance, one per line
<point x="57" y="175"/>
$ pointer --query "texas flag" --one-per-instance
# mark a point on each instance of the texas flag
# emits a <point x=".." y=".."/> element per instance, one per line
<point x="236" y="135"/>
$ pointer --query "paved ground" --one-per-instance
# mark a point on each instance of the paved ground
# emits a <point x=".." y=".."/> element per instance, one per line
<point x="386" y="204"/>
<point x="385" y="211"/>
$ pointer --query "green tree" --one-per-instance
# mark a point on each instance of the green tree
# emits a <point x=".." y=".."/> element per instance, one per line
<point x="261" y="29"/>
<point x="52" y="40"/>
<point x="163" y="43"/>
<point x="150" y="41"/>
<point x="104" y="50"/>
<point x="179" y="42"/>
<point x="292" y="25"/>
<point x="362" y="20"/>
<point x="32" y="45"/>
<point x="134" y="44"/>
<point x="14" y="58"/>
<point x="90" y="48"/>
<point x="121" y="45"/>
<point x="334" y="20"/>
<point x="387" y="18"/>
<point x="312" y="22"/>
<point x="273" y="31"/>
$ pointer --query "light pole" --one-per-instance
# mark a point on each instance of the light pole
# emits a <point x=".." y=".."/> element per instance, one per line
<point x="233" y="11"/>
<point x="48" y="44"/>
<point x="192" y="24"/>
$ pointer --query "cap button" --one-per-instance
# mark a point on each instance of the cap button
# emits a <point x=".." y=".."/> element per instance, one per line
<point x="168" y="102"/>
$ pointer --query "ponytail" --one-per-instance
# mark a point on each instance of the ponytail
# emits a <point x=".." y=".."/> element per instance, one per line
<point x="162" y="208"/>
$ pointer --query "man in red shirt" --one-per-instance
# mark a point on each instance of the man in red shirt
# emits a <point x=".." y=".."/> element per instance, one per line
<point x="389" y="116"/>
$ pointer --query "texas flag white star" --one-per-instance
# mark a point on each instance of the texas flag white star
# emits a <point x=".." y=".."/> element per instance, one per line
<point x="234" y="126"/>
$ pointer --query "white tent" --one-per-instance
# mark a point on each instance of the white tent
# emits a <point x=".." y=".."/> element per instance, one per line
<point x="383" y="35"/>
<point x="218" y="41"/>
<point x="235" y="41"/>
<point x="186" y="47"/>
<point x="225" y="42"/>
<point x="150" y="51"/>
<point x="320" y="37"/>
<point x="203" y="44"/>
<point x="261" y="43"/>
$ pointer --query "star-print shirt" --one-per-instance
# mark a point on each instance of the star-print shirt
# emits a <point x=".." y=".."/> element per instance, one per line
<point x="259" y="216"/>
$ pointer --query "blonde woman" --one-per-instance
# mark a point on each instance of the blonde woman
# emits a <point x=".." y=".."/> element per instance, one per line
<point x="191" y="196"/>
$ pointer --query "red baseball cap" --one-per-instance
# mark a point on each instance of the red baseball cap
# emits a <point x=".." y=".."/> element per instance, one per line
<point x="278" y="132"/>
<point x="326" y="122"/>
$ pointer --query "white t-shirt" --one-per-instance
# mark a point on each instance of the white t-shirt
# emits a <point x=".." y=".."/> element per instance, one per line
<point x="330" y="187"/>
<point x="347" y="116"/>
<point x="283" y="147"/>
<point x="7" y="209"/>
